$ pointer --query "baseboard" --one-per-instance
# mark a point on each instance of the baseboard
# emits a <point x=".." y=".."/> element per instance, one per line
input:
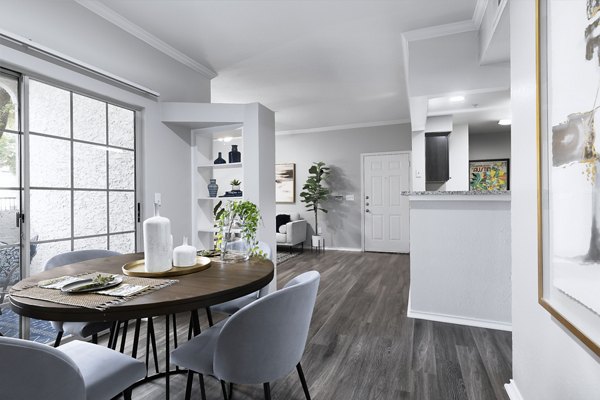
<point x="513" y="391"/>
<point x="453" y="319"/>
<point x="343" y="249"/>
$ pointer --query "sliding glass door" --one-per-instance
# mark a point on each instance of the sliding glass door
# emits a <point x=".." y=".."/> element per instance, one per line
<point x="10" y="196"/>
<point x="77" y="185"/>
<point x="82" y="174"/>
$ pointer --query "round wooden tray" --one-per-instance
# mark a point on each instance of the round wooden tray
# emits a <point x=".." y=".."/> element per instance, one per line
<point x="138" y="268"/>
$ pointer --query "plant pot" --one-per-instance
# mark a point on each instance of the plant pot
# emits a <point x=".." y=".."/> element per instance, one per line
<point x="318" y="241"/>
<point x="235" y="187"/>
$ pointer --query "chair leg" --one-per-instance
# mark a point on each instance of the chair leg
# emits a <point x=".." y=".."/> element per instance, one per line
<point x="136" y="337"/>
<point x="188" y="386"/>
<point x="124" y="338"/>
<point x="127" y="394"/>
<point x="209" y="316"/>
<point x="224" y="389"/>
<point x="303" y="381"/>
<point x="267" y="388"/>
<point x="58" y="338"/>
<point x="202" y="389"/>
<point x="95" y="338"/>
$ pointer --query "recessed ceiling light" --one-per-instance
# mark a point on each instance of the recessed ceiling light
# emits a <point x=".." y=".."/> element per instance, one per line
<point x="504" y="122"/>
<point x="457" y="99"/>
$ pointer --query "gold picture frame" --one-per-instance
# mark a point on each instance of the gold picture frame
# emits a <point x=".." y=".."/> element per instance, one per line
<point x="567" y="176"/>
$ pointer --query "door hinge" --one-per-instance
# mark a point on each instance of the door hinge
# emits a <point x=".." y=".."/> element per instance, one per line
<point x="139" y="212"/>
<point x="20" y="219"/>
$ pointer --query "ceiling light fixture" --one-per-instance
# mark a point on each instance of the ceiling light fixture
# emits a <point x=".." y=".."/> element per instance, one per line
<point x="504" y="122"/>
<point x="457" y="99"/>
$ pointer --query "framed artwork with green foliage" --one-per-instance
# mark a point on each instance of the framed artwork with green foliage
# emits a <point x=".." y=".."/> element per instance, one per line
<point x="485" y="175"/>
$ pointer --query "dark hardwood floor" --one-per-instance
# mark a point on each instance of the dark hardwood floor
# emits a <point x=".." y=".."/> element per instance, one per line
<point x="362" y="346"/>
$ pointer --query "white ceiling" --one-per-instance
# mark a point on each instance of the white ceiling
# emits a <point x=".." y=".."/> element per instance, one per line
<point x="316" y="63"/>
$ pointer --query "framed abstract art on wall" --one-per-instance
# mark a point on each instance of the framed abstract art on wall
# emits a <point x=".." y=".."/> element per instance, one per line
<point x="568" y="82"/>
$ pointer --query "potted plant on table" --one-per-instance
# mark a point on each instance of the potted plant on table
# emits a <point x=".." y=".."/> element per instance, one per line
<point x="237" y="224"/>
<point x="314" y="194"/>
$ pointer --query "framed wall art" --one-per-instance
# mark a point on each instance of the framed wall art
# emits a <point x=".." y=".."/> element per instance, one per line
<point x="285" y="183"/>
<point x="568" y="82"/>
<point x="489" y="174"/>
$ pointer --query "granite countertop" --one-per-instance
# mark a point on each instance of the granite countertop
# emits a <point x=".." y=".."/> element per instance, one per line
<point x="460" y="193"/>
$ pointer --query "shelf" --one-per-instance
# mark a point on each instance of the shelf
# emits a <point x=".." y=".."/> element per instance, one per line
<point x="221" y="166"/>
<point x="221" y="198"/>
<point x="207" y="229"/>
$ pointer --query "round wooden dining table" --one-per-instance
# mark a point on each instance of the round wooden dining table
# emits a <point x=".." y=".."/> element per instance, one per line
<point x="219" y="283"/>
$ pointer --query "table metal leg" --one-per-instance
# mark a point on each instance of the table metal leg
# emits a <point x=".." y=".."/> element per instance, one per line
<point x="167" y="358"/>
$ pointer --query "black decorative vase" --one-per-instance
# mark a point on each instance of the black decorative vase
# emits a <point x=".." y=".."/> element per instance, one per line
<point x="220" y="159"/>
<point x="234" y="155"/>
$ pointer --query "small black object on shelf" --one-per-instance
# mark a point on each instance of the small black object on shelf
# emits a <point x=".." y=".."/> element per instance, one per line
<point x="234" y="155"/>
<point x="220" y="159"/>
<point x="233" y="193"/>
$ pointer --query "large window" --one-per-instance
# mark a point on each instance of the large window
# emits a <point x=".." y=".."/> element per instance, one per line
<point x="75" y="190"/>
<point x="82" y="173"/>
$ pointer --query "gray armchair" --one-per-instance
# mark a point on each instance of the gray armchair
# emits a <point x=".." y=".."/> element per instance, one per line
<point x="75" y="371"/>
<point x="259" y="344"/>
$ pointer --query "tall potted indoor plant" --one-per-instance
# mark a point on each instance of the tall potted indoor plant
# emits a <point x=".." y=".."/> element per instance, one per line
<point x="314" y="194"/>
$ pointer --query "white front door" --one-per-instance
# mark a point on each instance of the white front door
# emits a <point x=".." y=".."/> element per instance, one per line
<point x="385" y="210"/>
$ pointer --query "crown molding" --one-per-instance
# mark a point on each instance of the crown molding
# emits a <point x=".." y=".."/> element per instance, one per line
<point x="117" y="19"/>
<point x="440" y="30"/>
<point x="344" y="127"/>
<point x="479" y="12"/>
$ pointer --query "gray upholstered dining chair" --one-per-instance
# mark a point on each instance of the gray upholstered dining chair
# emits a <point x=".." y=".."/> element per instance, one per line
<point x="81" y="329"/>
<point x="260" y="343"/>
<point x="232" y="306"/>
<point x="75" y="371"/>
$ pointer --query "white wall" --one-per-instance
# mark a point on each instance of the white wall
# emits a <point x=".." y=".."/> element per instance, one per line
<point x="548" y="362"/>
<point x="458" y="149"/>
<point x="450" y="64"/>
<point x="489" y="146"/>
<point x="449" y="281"/>
<point x="75" y="31"/>
<point x="341" y="150"/>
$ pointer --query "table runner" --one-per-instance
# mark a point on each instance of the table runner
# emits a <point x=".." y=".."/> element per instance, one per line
<point x="91" y="300"/>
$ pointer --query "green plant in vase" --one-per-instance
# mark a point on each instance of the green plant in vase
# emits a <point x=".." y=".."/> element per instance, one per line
<point x="314" y="194"/>
<point x="237" y="225"/>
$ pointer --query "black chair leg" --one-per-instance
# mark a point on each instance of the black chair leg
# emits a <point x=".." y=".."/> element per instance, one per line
<point x="202" y="389"/>
<point x="58" y="338"/>
<point x="127" y="394"/>
<point x="267" y="388"/>
<point x="124" y="338"/>
<point x="188" y="386"/>
<point x="224" y="389"/>
<point x="303" y="381"/>
<point x="95" y="338"/>
<point x="136" y="338"/>
<point x="209" y="316"/>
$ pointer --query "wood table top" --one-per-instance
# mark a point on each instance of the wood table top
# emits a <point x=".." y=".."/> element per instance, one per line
<point x="219" y="283"/>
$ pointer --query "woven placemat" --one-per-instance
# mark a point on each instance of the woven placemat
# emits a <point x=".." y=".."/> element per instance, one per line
<point x="88" y="300"/>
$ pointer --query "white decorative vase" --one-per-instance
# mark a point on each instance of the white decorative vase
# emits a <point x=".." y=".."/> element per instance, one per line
<point x="158" y="243"/>
<point x="184" y="255"/>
